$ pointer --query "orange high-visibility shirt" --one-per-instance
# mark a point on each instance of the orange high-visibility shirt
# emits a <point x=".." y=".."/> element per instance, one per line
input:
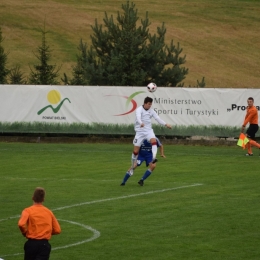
<point x="251" y="116"/>
<point x="38" y="222"/>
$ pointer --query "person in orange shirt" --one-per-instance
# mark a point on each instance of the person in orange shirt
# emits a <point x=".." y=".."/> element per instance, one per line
<point x="37" y="223"/>
<point x="251" y="118"/>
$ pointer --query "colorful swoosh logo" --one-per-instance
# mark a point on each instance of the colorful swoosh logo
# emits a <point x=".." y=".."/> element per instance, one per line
<point x="55" y="110"/>
<point x="128" y="100"/>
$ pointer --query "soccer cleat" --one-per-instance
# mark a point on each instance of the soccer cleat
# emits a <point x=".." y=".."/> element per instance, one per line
<point x="249" y="154"/>
<point x="141" y="183"/>
<point x="122" y="184"/>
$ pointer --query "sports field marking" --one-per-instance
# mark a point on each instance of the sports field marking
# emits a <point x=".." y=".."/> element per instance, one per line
<point x="64" y="179"/>
<point x="117" y="198"/>
<point x="126" y="197"/>
<point x="96" y="234"/>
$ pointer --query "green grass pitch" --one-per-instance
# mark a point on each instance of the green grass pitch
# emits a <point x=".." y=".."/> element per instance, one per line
<point x="201" y="202"/>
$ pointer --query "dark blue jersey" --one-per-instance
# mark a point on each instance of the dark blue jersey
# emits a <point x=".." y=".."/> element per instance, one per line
<point x="145" y="152"/>
<point x="146" y="146"/>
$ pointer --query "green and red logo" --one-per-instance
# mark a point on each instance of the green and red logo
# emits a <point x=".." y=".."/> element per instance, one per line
<point x="128" y="101"/>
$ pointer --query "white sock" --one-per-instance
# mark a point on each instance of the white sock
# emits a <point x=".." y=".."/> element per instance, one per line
<point x="154" y="150"/>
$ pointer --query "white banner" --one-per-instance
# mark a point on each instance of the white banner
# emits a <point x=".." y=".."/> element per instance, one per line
<point x="116" y="105"/>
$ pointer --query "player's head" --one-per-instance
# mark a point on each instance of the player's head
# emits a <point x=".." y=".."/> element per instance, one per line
<point x="250" y="101"/>
<point x="38" y="195"/>
<point x="148" y="102"/>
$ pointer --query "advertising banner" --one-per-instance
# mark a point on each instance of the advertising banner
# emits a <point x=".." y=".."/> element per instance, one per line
<point x="117" y="105"/>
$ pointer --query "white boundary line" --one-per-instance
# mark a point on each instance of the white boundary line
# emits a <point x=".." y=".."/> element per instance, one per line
<point x="96" y="234"/>
<point x="126" y="197"/>
<point x="116" y="198"/>
<point x="52" y="179"/>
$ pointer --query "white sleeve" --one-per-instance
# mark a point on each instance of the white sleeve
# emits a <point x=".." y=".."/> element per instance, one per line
<point x="157" y="118"/>
<point x="138" y="114"/>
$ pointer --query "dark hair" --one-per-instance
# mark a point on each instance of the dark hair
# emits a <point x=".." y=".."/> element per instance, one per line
<point x="148" y="99"/>
<point x="38" y="195"/>
<point x="250" y="98"/>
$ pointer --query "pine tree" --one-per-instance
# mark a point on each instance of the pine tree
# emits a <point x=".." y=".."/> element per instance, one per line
<point x="16" y="76"/>
<point x="79" y="72"/>
<point x="43" y="73"/>
<point x="3" y="60"/>
<point x="126" y="54"/>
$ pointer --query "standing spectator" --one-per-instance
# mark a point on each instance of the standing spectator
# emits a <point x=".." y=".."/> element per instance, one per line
<point x="37" y="223"/>
<point x="251" y="118"/>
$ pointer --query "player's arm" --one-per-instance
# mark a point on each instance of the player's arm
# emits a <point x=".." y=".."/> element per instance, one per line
<point x="248" y="117"/>
<point x="159" y="120"/>
<point x="138" y="114"/>
<point x="22" y="223"/>
<point x="159" y="144"/>
<point x="55" y="226"/>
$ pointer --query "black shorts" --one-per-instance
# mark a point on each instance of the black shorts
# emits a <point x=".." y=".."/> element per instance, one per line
<point x="251" y="131"/>
<point x="37" y="249"/>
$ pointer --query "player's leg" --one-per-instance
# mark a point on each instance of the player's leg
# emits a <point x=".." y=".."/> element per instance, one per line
<point x="154" y="148"/>
<point x="44" y="252"/>
<point x="130" y="171"/>
<point x="30" y="249"/>
<point x="152" y="138"/>
<point x="254" y="143"/>
<point x="134" y="155"/>
<point x="148" y="171"/>
<point x="137" y="143"/>
<point x="249" y="149"/>
<point x="250" y="133"/>
<point x="128" y="174"/>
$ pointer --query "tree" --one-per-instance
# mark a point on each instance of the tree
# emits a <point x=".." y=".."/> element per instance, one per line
<point x="3" y="60"/>
<point x="43" y="73"/>
<point x="16" y="76"/>
<point x="125" y="54"/>
<point x="200" y="84"/>
<point x="79" y="77"/>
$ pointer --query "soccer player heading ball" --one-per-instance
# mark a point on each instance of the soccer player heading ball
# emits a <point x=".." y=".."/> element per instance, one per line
<point x="143" y="128"/>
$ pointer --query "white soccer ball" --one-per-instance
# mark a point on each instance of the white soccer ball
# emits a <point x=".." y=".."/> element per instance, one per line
<point x="151" y="87"/>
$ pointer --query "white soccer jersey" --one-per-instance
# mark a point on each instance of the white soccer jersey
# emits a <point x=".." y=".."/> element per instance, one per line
<point x="144" y="116"/>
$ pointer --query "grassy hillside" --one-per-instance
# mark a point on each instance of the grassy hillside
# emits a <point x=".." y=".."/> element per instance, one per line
<point x="220" y="38"/>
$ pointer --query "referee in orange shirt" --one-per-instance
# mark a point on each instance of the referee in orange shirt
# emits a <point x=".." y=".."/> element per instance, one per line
<point x="251" y="118"/>
<point x="37" y="223"/>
